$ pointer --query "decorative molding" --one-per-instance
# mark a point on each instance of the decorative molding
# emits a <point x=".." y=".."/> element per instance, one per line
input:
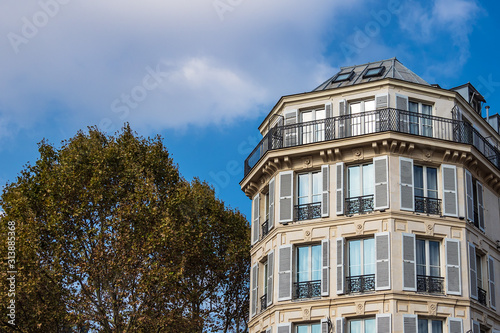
<point x="306" y="313"/>
<point x="360" y="308"/>
<point x="427" y="155"/>
<point x="432" y="308"/>
<point x="360" y="228"/>
<point x="307" y="235"/>
<point x="429" y="229"/>
<point x="307" y="162"/>
<point x="358" y="154"/>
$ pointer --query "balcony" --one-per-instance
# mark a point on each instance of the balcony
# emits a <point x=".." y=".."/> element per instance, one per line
<point x="307" y="211"/>
<point x="265" y="229"/>
<point x="359" y="205"/>
<point x="306" y="289"/>
<point x="263" y="303"/>
<point x="481" y="296"/>
<point x="378" y="121"/>
<point x="430" y="284"/>
<point x="360" y="283"/>
<point x="429" y="206"/>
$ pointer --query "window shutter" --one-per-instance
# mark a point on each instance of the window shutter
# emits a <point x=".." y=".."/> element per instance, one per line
<point x="270" y="278"/>
<point x="469" y="196"/>
<point x="328" y="121"/>
<point x="290" y="131"/>
<point x="339" y="186"/>
<point x="410" y="324"/>
<point x="255" y="288"/>
<point x="285" y="273"/>
<point x="455" y="325"/>
<point x="453" y="271"/>
<point x="476" y="328"/>
<point x="343" y="121"/>
<point x="449" y="174"/>
<point x="340" y="266"/>
<point x="406" y="184"/>
<point x="383" y="261"/>
<point x="381" y="182"/>
<point x="382" y="101"/>
<point x="269" y="330"/>
<point x="325" y="198"/>
<point x="402" y="104"/>
<point x="491" y="282"/>
<point x="340" y="325"/>
<point x="256" y="219"/>
<point x="325" y="273"/>
<point x="270" y="224"/>
<point x="286" y="197"/>
<point x="383" y="323"/>
<point x="472" y="271"/>
<point x="480" y="205"/>
<point x="409" y="266"/>
<point x="324" y="326"/>
<point x="284" y="328"/>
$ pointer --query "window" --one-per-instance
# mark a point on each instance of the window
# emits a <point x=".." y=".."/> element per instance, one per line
<point x="429" y="266"/>
<point x="361" y="257"/>
<point x="343" y="77"/>
<point x="475" y="204"/>
<point x="376" y="71"/>
<point x="360" y="122"/>
<point x="420" y="124"/>
<point x="308" y="328"/>
<point x="430" y="326"/>
<point x="362" y="325"/>
<point x="265" y="224"/>
<point x="426" y="190"/>
<point x="481" y="292"/>
<point x="308" y="273"/>
<point x="360" y="189"/>
<point x="312" y="131"/>
<point x="263" y="298"/>
<point x="309" y="190"/>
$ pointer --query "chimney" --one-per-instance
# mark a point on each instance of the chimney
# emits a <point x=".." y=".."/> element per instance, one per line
<point x="487" y="107"/>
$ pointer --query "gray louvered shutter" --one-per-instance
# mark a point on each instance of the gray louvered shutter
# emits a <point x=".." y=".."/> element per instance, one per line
<point x="383" y="323"/>
<point x="407" y="199"/>
<point x="453" y="270"/>
<point x="402" y="104"/>
<point x="325" y="197"/>
<point x="284" y="328"/>
<point x="256" y="219"/>
<point x="340" y="325"/>
<point x="270" y="224"/>
<point x="328" y="121"/>
<point x="270" y="278"/>
<point x="382" y="103"/>
<point x="286" y="197"/>
<point x="340" y="265"/>
<point x="409" y="265"/>
<point x="449" y="174"/>
<point x="324" y="326"/>
<point x="472" y="271"/>
<point x="339" y="188"/>
<point x="255" y="288"/>
<point x="469" y="196"/>
<point x="476" y="328"/>
<point x="455" y="325"/>
<point x="410" y="324"/>
<point x="343" y="120"/>
<point x="325" y="267"/>
<point x="491" y="282"/>
<point x="285" y="273"/>
<point x="480" y="205"/>
<point x="380" y="166"/>
<point x="290" y="129"/>
<point x="383" y="261"/>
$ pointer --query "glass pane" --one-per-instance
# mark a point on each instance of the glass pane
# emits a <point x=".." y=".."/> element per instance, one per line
<point x="354" y="181"/>
<point x="303" y="189"/>
<point x="317" y="184"/>
<point x="426" y="109"/>
<point x="370" y="326"/>
<point x="355" y="326"/>
<point x="355" y="258"/>
<point x="369" y="256"/>
<point x="369" y="105"/>
<point x="437" y="326"/>
<point x="434" y="261"/>
<point x="413" y="107"/>
<point x="421" y="257"/>
<point x="368" y="180"/>
<point x="302" y="329"/>
<point x="303" y="264"/>
<point x="316" y="262"/>
<point x="418" y="178"/>
<point x="422" y="326"/>
<point x="432" y="179"/>
<point x="355" y="108"/>
<point x="265" y="278"/>
<point x="320" y="114"/>
<point x="307" y="116"/>
<point x="316" y="328"/>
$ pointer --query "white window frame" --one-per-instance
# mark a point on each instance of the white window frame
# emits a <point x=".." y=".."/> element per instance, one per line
<point x="349" y="321"/>
<point x="309" y="327"/>
<point x="362" y="255"/>
<point x="296" y="263"/>
<point x="361" y="179"/>
<point x="429" y="324"/>
<point x="310" y="194"/>
<point x="427" y="256"/>
<point x="420" y="122"/>
<point x="425" y="181"/>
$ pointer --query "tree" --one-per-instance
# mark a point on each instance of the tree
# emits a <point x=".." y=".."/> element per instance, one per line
<point x="110" y="237"/>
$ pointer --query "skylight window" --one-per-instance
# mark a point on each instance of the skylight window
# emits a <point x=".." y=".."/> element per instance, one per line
<point x="343" y="77"/>
<point x="376" y="71"/>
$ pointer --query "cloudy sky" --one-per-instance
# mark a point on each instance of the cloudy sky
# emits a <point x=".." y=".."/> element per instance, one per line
<point x="204" y="73"/>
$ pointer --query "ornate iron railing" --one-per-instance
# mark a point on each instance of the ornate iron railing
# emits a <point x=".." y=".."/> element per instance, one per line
<point x="430" y="284"/>
<point x="372" y="122"/>
<point x="360" y="283"/>
<point x="307" y="211"/>
<point x="265" y="229"/>
<point x="307" y="289"/>
<point x="359" y="205"/>
<point x="481" y="296"/>
<point x="263" y="303"/>
<point x="428" y="205"/>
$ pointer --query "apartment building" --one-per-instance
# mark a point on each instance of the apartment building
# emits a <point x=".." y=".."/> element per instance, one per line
<point x="376" y="208"/>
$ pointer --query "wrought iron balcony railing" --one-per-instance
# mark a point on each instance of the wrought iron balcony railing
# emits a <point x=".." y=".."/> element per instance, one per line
<point x="265" y="229"/>
<point x="359" y="205"/>
<point x="378" y="121"/>
<point x="430" y="284"/>
<point x="428" y="205"/>
<point x="481" y="296"/>
<point x="263" y="303"/>
<point x="307" y="211"/>
<point x="307" y="289"/>
<point x="360" y="283"/>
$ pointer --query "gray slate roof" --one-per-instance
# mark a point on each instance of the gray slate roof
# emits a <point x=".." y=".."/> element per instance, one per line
<point x="393" y="69"/>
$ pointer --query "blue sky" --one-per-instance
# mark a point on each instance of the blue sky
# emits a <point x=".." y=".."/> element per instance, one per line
<point x="204" y="73"/>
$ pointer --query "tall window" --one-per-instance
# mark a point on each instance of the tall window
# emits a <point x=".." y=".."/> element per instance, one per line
<point x="361" y="265"/>
<point x="313" y="132"/>
<point x="308" y="276"/>
<point x="426" y="190"/>
<point x="428" y="262"/>
<point x="360" y="180"/>
<point x="309" y="328"/>
<point x="362" y="325"/>
<point x="430" y="326"/>
<point x="420" y="124"/>
<point x="309" y="196"/>
<point x="362" y="124"/>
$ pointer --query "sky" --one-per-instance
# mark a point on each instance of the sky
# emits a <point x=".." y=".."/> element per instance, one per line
<point x="204" y="73"/>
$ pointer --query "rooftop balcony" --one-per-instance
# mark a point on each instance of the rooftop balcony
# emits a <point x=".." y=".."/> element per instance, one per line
<point x="378" y="121"/>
